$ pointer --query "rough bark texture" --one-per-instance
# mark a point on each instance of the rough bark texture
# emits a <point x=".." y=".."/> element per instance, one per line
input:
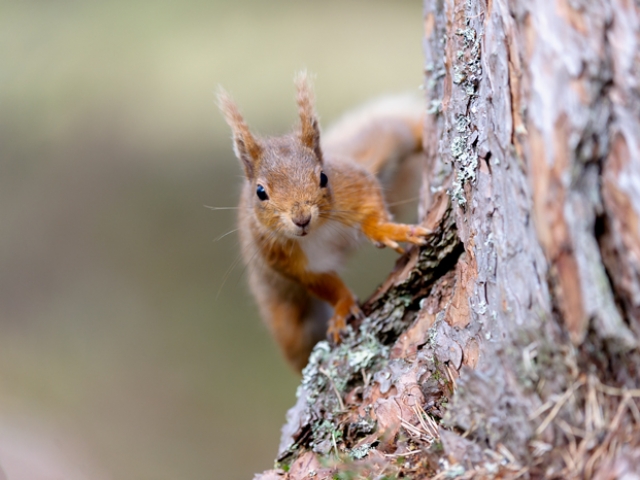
<point x="509" y="347"/>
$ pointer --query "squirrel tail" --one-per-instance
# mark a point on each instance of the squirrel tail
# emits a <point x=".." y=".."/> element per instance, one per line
<point x="385" y="137"/>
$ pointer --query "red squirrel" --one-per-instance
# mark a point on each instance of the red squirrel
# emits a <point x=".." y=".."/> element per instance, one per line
<point x="305" y="204"/>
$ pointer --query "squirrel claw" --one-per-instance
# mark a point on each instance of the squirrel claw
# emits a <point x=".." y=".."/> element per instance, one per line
<point x="417" y="231"/>
<point x="417" y="234"/>
<point x="394" y="245"/>
<point x="417" y="240"/>
<point x="356" y="312"/>
<point x="336" y="326"/>
<point x="338" y="323"/>
<point x="386" y="242"/>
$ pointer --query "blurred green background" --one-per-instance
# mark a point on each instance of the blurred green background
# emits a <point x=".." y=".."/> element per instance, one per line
<point x="123" y="352"/>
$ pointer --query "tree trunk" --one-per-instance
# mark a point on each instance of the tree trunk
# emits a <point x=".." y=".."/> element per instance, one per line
<point x="509" y="347"/>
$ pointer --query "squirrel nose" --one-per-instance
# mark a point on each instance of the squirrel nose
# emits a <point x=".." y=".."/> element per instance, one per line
<point x="302" y="220"/>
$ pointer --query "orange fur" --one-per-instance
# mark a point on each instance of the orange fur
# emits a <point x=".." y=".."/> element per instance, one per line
<point x="295" y="230"/>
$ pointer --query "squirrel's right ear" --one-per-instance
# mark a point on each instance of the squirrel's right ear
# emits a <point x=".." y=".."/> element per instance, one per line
<point x="245" y="145"/>
<point x="310" y="130"/>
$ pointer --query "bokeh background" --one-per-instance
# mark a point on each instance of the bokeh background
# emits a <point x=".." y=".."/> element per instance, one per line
<point x="129" y="346"/>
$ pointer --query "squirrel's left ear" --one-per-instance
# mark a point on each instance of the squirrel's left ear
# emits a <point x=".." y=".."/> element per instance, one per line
<point x="310" y="131"/>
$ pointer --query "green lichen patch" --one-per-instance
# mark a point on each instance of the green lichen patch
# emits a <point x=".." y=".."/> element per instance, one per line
<point x="361" y="451"/>
<point x="329" y="376"/>
<point x="466" y="74"/>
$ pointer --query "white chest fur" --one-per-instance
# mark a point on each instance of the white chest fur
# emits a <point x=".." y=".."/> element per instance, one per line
<point x="327" y="247"/>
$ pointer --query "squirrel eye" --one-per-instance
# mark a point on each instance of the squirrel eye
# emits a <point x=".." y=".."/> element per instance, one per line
<point x="262" y="193"/>
<point x="323" y="180"/>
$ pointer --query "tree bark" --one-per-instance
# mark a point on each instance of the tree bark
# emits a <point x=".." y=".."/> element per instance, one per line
<point x="509" y="346"/>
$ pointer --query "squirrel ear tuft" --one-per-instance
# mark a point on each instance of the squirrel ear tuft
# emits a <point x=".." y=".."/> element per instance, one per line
<point x="310" y="131"/>
<point x="245" y="145"/>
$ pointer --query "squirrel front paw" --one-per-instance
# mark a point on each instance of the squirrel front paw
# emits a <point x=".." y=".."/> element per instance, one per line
<point x="390" y="234"/>
<point x="338" y="323"/>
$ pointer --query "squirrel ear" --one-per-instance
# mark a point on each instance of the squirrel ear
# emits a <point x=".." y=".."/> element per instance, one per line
<point x="310" y="132"/>
<point x="245" y="146"/>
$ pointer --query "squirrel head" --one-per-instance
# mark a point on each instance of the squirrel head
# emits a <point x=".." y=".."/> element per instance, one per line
<point x="291" y="194"/>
